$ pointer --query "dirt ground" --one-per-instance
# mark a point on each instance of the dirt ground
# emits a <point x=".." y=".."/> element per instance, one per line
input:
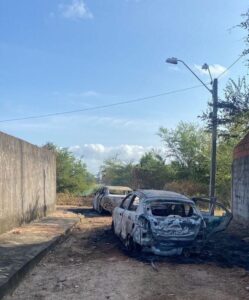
<point x="92" y="264"/>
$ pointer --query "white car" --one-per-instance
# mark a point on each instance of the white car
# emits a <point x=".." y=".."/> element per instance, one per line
<point x="166" y="223"/>
<point x="108" y="197"/>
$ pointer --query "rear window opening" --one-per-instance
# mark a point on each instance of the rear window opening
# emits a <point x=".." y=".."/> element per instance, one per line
<point x="169" y="209"/>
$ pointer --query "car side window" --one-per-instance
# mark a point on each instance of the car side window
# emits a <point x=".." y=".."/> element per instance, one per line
<point x="126" y="202"/>
<point x="134" y="204"/>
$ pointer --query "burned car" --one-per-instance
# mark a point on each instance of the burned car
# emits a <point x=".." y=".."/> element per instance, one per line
<point x="166" y="223"/>
<point x="108" y="197"/>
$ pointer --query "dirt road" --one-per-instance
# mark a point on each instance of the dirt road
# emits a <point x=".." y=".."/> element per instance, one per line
<point x="91" y="264"/>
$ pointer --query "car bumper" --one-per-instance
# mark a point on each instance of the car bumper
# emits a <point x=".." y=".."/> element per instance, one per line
<point x="169" y="248"/>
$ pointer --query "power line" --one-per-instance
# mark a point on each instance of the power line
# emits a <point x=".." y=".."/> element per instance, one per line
<point x="100" y="106"/>
<point x="115" y="103"/>
<point x="227" y="69"/>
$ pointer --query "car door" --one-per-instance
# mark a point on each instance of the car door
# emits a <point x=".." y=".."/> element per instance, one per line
<point x="118" y="214"/>
<point x="129" y="217"/>
<point x="101" y="196"/>
<point x="216" y="216"/>
<point x="95" y="199"/>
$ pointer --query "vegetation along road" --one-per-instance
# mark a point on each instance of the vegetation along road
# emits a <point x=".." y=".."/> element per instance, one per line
<point x="92" y="264"/>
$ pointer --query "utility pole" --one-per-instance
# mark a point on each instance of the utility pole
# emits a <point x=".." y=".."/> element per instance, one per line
<point x="214" y="92"/>
<point x="214" y="144"/>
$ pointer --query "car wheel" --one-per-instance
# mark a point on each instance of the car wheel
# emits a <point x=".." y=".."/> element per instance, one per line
<point x="100" y="209"/>
<point x="112" y="228"/>
<point x="131" y="246"/>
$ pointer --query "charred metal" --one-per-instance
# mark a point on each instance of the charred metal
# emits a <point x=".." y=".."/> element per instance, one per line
<point x="167" y="223"/>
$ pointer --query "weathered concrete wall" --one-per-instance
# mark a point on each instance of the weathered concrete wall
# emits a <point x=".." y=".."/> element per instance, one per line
<point x="27" y="182"/>
<point x="240" y="185"/>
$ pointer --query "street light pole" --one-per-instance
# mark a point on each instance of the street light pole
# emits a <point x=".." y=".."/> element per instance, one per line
<point x="214" y="142"/>
<point x="214" y="92"/>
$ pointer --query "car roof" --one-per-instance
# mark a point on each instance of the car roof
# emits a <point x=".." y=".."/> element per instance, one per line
<point x="152" y="194"/>
<point x="117" y="187"/>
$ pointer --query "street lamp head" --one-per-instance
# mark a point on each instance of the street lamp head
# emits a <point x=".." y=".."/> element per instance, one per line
<point x="172" y="60"/>
<point x="205" y="66"/>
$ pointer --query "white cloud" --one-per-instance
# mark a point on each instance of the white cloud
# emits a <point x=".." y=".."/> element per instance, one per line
<point x="76" y="10"/>
<point x="215" y="69"/>
<point x="94" y="154"/>
<point x="89" y="93"/>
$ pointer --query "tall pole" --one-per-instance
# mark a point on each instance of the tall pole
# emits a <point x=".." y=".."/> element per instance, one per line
<point x="214" y="92"/>
<point x="214" y="146"/>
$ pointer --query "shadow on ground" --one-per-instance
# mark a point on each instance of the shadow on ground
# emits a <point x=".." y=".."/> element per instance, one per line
<point x="88" y="212"/>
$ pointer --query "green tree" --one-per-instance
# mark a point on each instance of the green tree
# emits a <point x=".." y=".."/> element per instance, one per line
<point x="245" y="26"/>
<point x="71" y="173"/>
<point x="224" y="169"/>
<point x="188" y="147"/>
<point x="233" y="110"/>
<point x="115" y="172"/>
<point x="151" y="160"/>
<point x="185" y="168"/>
<point x="151" y="172"/>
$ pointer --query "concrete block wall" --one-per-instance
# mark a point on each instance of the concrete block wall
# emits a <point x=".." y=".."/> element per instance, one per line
<point x="240" y="183"/>
<point x="27" y="182"/>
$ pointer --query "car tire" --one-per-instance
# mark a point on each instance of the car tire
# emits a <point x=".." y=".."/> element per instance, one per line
<point x="131" y="246"/>
<point x="100" y="209"/>
<point x="112" y="228"/>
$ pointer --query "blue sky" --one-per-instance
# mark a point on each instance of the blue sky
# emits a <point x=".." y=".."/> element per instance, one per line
<point x="59" y="55"/>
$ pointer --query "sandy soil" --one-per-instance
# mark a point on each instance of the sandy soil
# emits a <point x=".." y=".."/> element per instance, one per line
<point x="92" y="264"/>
